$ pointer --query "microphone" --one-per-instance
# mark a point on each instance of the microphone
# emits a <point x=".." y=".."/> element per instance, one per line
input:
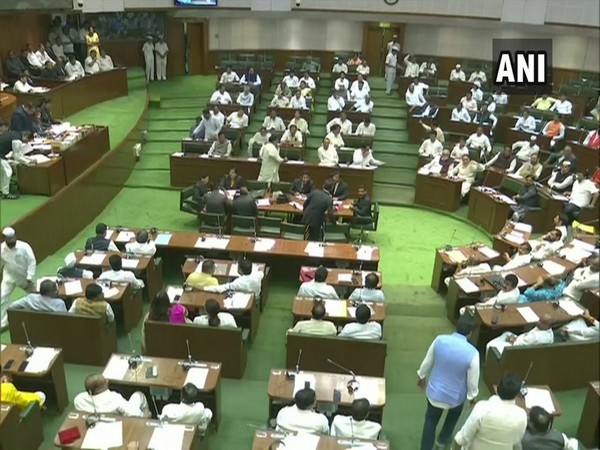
<point x="448" y="246"/>
<point x="92" y="419"/>
<point x="134" y="360"/>
<point x="189" y="362"/>
<point x="220" y="232"/>
<point x="158" y="416"/>
<point x="29" y="349"/>
<point x="254" y="238"/>
<point x="523" y="383"/>
<point x="353" y="385"/>
<point x="292" y="375"/>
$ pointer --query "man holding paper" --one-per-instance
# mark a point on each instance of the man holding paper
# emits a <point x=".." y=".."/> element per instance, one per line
<point x="189" y="411"/>
<point x="317" y="204"/>
<point x="507" y="295"/>
<point x="249" y="280"/>
<point x="541" y="334"/>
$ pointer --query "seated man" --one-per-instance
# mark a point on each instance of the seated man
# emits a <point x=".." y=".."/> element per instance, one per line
<point x="428" y="69"/>
<point x="14" y="67"/>
<point x="543" y="103"/>
<point x="342" y="84"/>
<point x="273" y="122"/>
<point x="460" y="149"/>
<point x="22" y="86"/>
<point x="526" y="123"/>
<point x="540" y="434"/>
<point x="507" y="295"/>
<point x="460" y="114"/>
<point x="521" y="258"/>
<point x="541" y="334"/>
<point x="280" y="101"/>
<point x="43" y="56"/>
<point x="249" y="280"/>
<point x="46" y="300"/>
<point x="337" y="187"/>
<point x="356" y="425"/>
<point x="562" y="106"/>
<point x="9" y="395"/>
<point x="118" y="275"/>
<point x="91" y="63"/>
<point x="214" y="316"/>
<point x="583" y="195"/>
<point x="359" y="88"/>
<point x="546" y="288"/>
<point x="362" y="328"/>
<point x="238" y="119"/>
<point x="342" y="121"/>
<point x="303" y="185"/>
<point x="547" y="245"/>
<point x="363" y="68"/>
<point x="70" y="271"/>
<point x="361" y="207"/>
<point x="555" y="130"/>
<point x="93" y="304"/>
<point x="556" y="159"/>
<point x="316" y="325"/>
<point x="74" y="68"/>
<point x="561" y="180"/>
<point x="216" y="202"/>
<point x="336" y="102"/>
<point x="98" y="398"/>
<point x="309" y="65"/>
<point x="48" y="71"/>
<point x="291" y="79"/>
<point x="335" y="136"/>
<point x="251" y="78"/>
<point x="232" y="180"/>
<point x="504" y="161"/>
<point x="584" y="328"/>
<point x="411" y="67"/>
<point x="244" y="204"/>
<point x="478" y="141"/>
<point x="221" y="96"/>
<point x="100" y="242"/>
<point x="533" y="167"/>
<point x="477" y="75"/>
<point x="439" y="165"/>
<point x="339" y="66"/>
<point x="526" y="149"/>
<point x="308" y="80"/>
<point x="318" y="287"/>
<point x="105" y="61"/>
<point x="584" y="278"/>
<point x="245" y="98"/>
<point x="190" y="411"/>
<point x="457" y="74"/>
<point x="142" y="246"/>
<point x="366" y="128"/>
<point x="229" y="76"/>
<point x="363" y="157"/>
<point x="204" y="278"/>
<point x="431" y="147"/>
<point x="500" y="97"/>
<point x="261" y="137"/>
<point x="364" y="105"/>
<point x="291" y="137"/>
<point x="469" y="103"/>
<point x="477" y="92"/>
<point x="301" y="417"/>
<point x="527" y="198"/>
<point x="298" y="101"/>
<point x="201" y="188"/>
<point x="33" y="59"/>
<point x="300" y="123"/>
<point x="370" y="292"/>
<point x="221" y="147"/>
<point x="327" y="154"/>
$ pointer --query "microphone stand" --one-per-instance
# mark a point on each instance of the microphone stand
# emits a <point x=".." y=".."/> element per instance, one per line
<point x="29" y="349"/>
<point x="292" y="375"/>
<point x="189" y="362"/>
<point x="523" y="383"/>
<point x="353" y="385"/>
<point x="448" y="246"/>
<point x="134" y="360"/>
<point x="92" y="419"/>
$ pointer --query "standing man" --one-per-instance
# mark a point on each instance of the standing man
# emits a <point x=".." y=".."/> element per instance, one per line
<point x="18" y="264"/>
<point x="450" y="375"/>
<point x="391" y="64"/>
<point x="148" y="51"/>
<point x="317" y="203"/>
<point x="271" y="160"/>
<point x="162" y="49"/>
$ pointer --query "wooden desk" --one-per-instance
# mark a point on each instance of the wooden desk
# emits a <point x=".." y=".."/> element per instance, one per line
<point x="134" y="429"/>
<point x="17" y="433"/>
<point x="520" y="400"/>
<point x="487" y="210"/>
<point x="591" y="301"/>
<point x="588" y="431"/>
<point x="264" y="438"/>
<point x="503" y="244"/>
<point x="333" y="276"/>
<point x="42" y="179"/>
<point x="302" y="307"/>
<point x="288" y="114"/>
<point x="83" y="154"/>
<point x="8" y="103"/>
<point x="342" y="210"/>
<point x="281" y="391"/>
<point x="51" y="382"/>
<point x="171" y="376"/>
<point x="69" y="97"/>
<point x="437" y="192"/>
<point x="9" y="426"/>
<point x="587" y="157"/>
<point x="187" y="169"/>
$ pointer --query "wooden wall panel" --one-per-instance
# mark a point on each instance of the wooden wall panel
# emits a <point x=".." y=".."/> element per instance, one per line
<point x="176" y="43"/>
<point x="125" y="52"/>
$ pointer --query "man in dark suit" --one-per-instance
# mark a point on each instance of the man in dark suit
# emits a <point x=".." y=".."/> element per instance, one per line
<point x="21" y="119"/>
<point x="232" y="180"/>
<point x="337" y="188"/>
<point x="215" y="202"/>
<point x="244" y="205"/>
<point x="317" y="204"/>
<point x="303" y="185"/>
<point x="100" y="242"/>
<point x="362" y="206"/>
<point x="200" y="190"/>
<point x="14" y="67"/>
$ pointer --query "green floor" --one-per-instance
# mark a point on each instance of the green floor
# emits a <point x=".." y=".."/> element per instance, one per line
<point x="407" y="238"/>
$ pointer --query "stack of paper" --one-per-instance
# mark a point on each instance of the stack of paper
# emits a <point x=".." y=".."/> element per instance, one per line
<point x="125" y="236"/>
<point x="163" y="239"/>
<point x="40" y="360"/>
<point x="523" y="227"/>
<point x="528" y="314"/>
<point x="336" y="308"/>
<point x="574" y="254"/>
<point x="263" y="244"/>
<point x="365" y="252"/>
<point x="212" y="242"/>
<point x="295" y="161"/>
<point x="315" y="249"/>
<point x="553" y="268"/>
<point x="110" y="292"/>
<point x="104" y="435"/>
<point x="517" y="238"/>
<point x="197" y="376"/>
<point x="130" y="263"/>
<point x="582" y="245"/>
<point x="367" y="389"/>
<point x="466" y="285"/>
<point x="344" y="277"/>
<point x="167" y="436"/>
<point x="304" y="379"/>
<point x="173" y="291"/>
<point x="297" y="205"/>
<point x="570" y="307"/>
<point x="116" y="368"/>
<point x="73" y="287"/>
<point x="539" y="397"/>
<point x="302" y="441"/>
<point x="95" y="259"/>
<point x="488" y="252"/>
<point x="238" y="300"/>
<point x="456" y="256"/>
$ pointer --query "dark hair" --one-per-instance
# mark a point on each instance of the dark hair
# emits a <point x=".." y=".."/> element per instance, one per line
<point x="212" y="308"/>
<point x="305" y="398"/>
<point x="509" y="386"/>
<point x="245" y="266"/>
<point x="116" y="262"/>
<point x="48" y="287"/>
<point x="141" y="236"/>
<point x="234" y="170"/>
<point x="363" y="314"/>
<point x="318" y="311"/>
<point x="273" y="137"/>
<point x="101" y="229"/>
<point x="464" y="325"/>
<point x="321" y="274"/>
<point x="512" y="279"/>
<point x="208" y="266"/>
<point x="371" y="280"/>
<point x="92" y="291"/>
<point x="189" y="393"/>
<point x="159" y="307"/>
<point x="557" y="231"/>
<point x="539" y="419"/>
<point x="527" y="245"/>
<point x="360" y="409"/>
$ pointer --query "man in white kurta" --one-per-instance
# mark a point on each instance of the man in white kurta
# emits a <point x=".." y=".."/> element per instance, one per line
<point x="327" y="154"/>
<point x="98" y="398"/>
<point x="18" y="265"/>
<point x="190" y="411"/>
<point x="391" y="64"/>
<point x="300" y="417"/>
<point x="148" y="51"/>
<point x="584" y="278"/>
<point x="271" y="160"/>
<point x="541" y="334"/>
<point x="467" y="170"/>
<point x="356" y="425"/>
<point x="161" y="49"/>
<point x="118" y="275"/>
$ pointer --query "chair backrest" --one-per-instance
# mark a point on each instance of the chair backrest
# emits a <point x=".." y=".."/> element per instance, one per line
<point x="292" y="231"/>
<point x="224" y="345"/>
<point x="255" y="185"/>
<point x="283" y="186"/>
<point x="211" y="219"/>
<point x="84" y="339"/>
<point x="243" y="222"/>
<point x="363" y="357"/>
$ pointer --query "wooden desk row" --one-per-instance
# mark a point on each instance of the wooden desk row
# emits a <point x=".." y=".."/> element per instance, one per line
<point x="338" y="311"/>
<point x="264" y="439"/>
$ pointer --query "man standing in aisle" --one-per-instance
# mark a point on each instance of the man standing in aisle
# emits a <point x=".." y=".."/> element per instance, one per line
<point x="148" y="51"/>
<point x="18" y="264"/>
<point x="162" y="49"/>
<point x="450" y="375"/>
<point x="271" y="160"/>
<point x="318" y="202"/>
<point x="391" y="64"/>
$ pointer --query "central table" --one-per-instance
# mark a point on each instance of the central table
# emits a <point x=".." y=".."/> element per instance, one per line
<point x="488" y="209"/>
<point x="438" y="192"/>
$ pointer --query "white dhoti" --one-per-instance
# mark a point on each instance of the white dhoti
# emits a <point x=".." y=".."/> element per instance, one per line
<point x="390" y="77"/>
<point x="465" y="188"/>
<point x="8" y="285"/>
<point x="5" y="175"/>
<point x="149" y="68"/>
<point x="161" y="68"/>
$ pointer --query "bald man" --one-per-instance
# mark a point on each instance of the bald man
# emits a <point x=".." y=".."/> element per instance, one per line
<point x="98" y="398"/>
<point x="541" y="334"/>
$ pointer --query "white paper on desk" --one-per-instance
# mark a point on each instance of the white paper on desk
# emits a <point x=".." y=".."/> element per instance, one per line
<point x="570" y="307"/>
<point x="263" y="244"/>
<point x="263" y="202"/>
<point x="456" y="256"/>
<point x="125" y="236"/>
<point x="488" y="252"/>
<point x="213" y="242"/>
<point x="302" y="441"/>
<point x="252" y="159"/>
<point x="582" y="245"/>
<point x="559" y="197"/>
<point x="528" y="314"/>
<point x="352" y="310"/>
<point x="294" y="161"/>
<point x="314" y="249"/>
<point x="539" y="397"/>
<point x="109" y="233"/>
<point x="365" y="252"/>
<point x="524" y="227"/>
<point x="516" y="238"/>
<point x="163" y="239"/>
<point x="574" y="254"/>
<point x="110" y="292"/>
<point x="297" y="205"/>
<point x="95" y="259"/>
<point x="336" y="308"/>
<point x="367" y="389"/>
<point x="130" y="263"/>
<point x="2" y="347"/>
<point x="344" y="277"/>
<point x="167" y="437"/>
<point x="553" y="268"/>
<point x="116" y="368"/>
<point x="173" y="291"/>
<point x="197" y="376"/>
<point x="40" y="360"/>
<point x="303" y="378"/>
<point x="466" y="285"/>
<point x="104" y="435"/>
<point x="238" y="300"/>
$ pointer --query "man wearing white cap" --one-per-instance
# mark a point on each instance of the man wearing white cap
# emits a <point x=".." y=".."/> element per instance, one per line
<point x="148" y="51"/>
<point x="526" y="149"/>
<point x="162" y="49"/>
<point x="70" y="271"/>
<point x="457" y="74"/>
<point x="18" y="269"/>
<point x="393" y="43"/>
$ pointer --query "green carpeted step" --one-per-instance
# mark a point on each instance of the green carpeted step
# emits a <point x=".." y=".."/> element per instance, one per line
<point x="399" y="160"/>
<point x="171" y="125"/>
<point x="159" y="179"/>
<point x="387" y="135"/>
<point x="398" y="148"/>
<point x="386" y="111"/>
<point x="394" y="123"/>
<point x="193" y="102"/>
<point x="166" y="136"/>
<point x="157" y="114"/>
<point x="154" y="161"/>
<point x="396" y="176"/>
<point x="393" y="195"/>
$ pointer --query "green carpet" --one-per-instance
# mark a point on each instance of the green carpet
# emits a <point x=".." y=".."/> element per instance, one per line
<point x="414" y="313"/>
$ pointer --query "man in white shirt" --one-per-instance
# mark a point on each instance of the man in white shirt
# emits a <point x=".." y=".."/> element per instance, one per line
<point x="33" y="59"/>
<point x="584" y="194"/>
<point x="43" y="56"/>
<point x="328" y="155"/>
<point x="431" y="147"/>
<point x="335" y="102"/>
<point x="238" y="119"/>
<point x="584" y="328"/>
<point x="249" y="280"/>
<point x="366" y="128"/>
<point x="356" y="424"/>
<point x="300" y="123"/>
<point x="18" y="266"/>
<point x="208" y="128"/>
<point x="74" y="68"/>
<point x="546" y="246"/>
<point x="335" y="136"/>
<point x="526" y="149"/>
<point x="481" y="143"/>
<point x="117" y="274"/>
<point x="466" y="170"/>
<point x="221" y="96"/>
<point x="363" y="69"/>
<point x="318" y="287"/>
<point x="439" y="165"/>
<point x="162" y="50"/>
<point x="363" y="158"/>
<point x="359" y="88"/>
<point x="21" y="85"/>
<point x="105" y="61"/>
<point x="273" y="122"/>
<point x="190" y="411"/>
<point x="98" y="398"/>
<point x="478" y="75"/>
<point x="526" y="123"/>
<point x="364" y="105"/>
<point x="221" y="147"/>
<point x="460" y="149"/>
<point x="457" y="74"/>
<point x="562" y="106"/>
<point x="142" y="246"/>
<point x="291" y="137"/>
<point x="342" y="121"/>
<point x="298" y="101"/>
<point x="148" y="51"/>
<point x="531" y="167"/>
<point x="280" y="101"/>
<point x="91" y="63"/>
<point x="308" y="80"/>
<point x="460" y="114"/>
<point x="500" y="97"/>
<point x="291" y="80"/>
<point x="414" y="99"/>
<point x="245" y="98"/>
<point x="362" y="328"/>
<point x="341" y="84"/>
<point x="58" y="48"/>
<point x="316" y="325"/>
<point x="411" y="67"/>
<point x="261" y="137"/>
<point x="391" y="65"/>
<point x="507" y="295"/>
<point x="229" y="76"/>
<point x="541" y="334"/>
<point x="469" y="103"/>
<point x="339" y="66"/>
<point x="300" y="417"/>
<point x="584" y="278"/>
<point x="497" y="423"/>
<point x="521" y="258"/>
<point x="370" y="292"/>
<point x="476" y="92"/>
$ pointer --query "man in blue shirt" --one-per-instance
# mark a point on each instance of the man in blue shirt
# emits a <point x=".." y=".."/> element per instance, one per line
<point x="46" y="300"/>
<point x="450" y="375"/>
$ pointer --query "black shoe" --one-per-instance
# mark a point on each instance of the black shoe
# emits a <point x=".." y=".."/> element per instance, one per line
<point x="9" y="197"/>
